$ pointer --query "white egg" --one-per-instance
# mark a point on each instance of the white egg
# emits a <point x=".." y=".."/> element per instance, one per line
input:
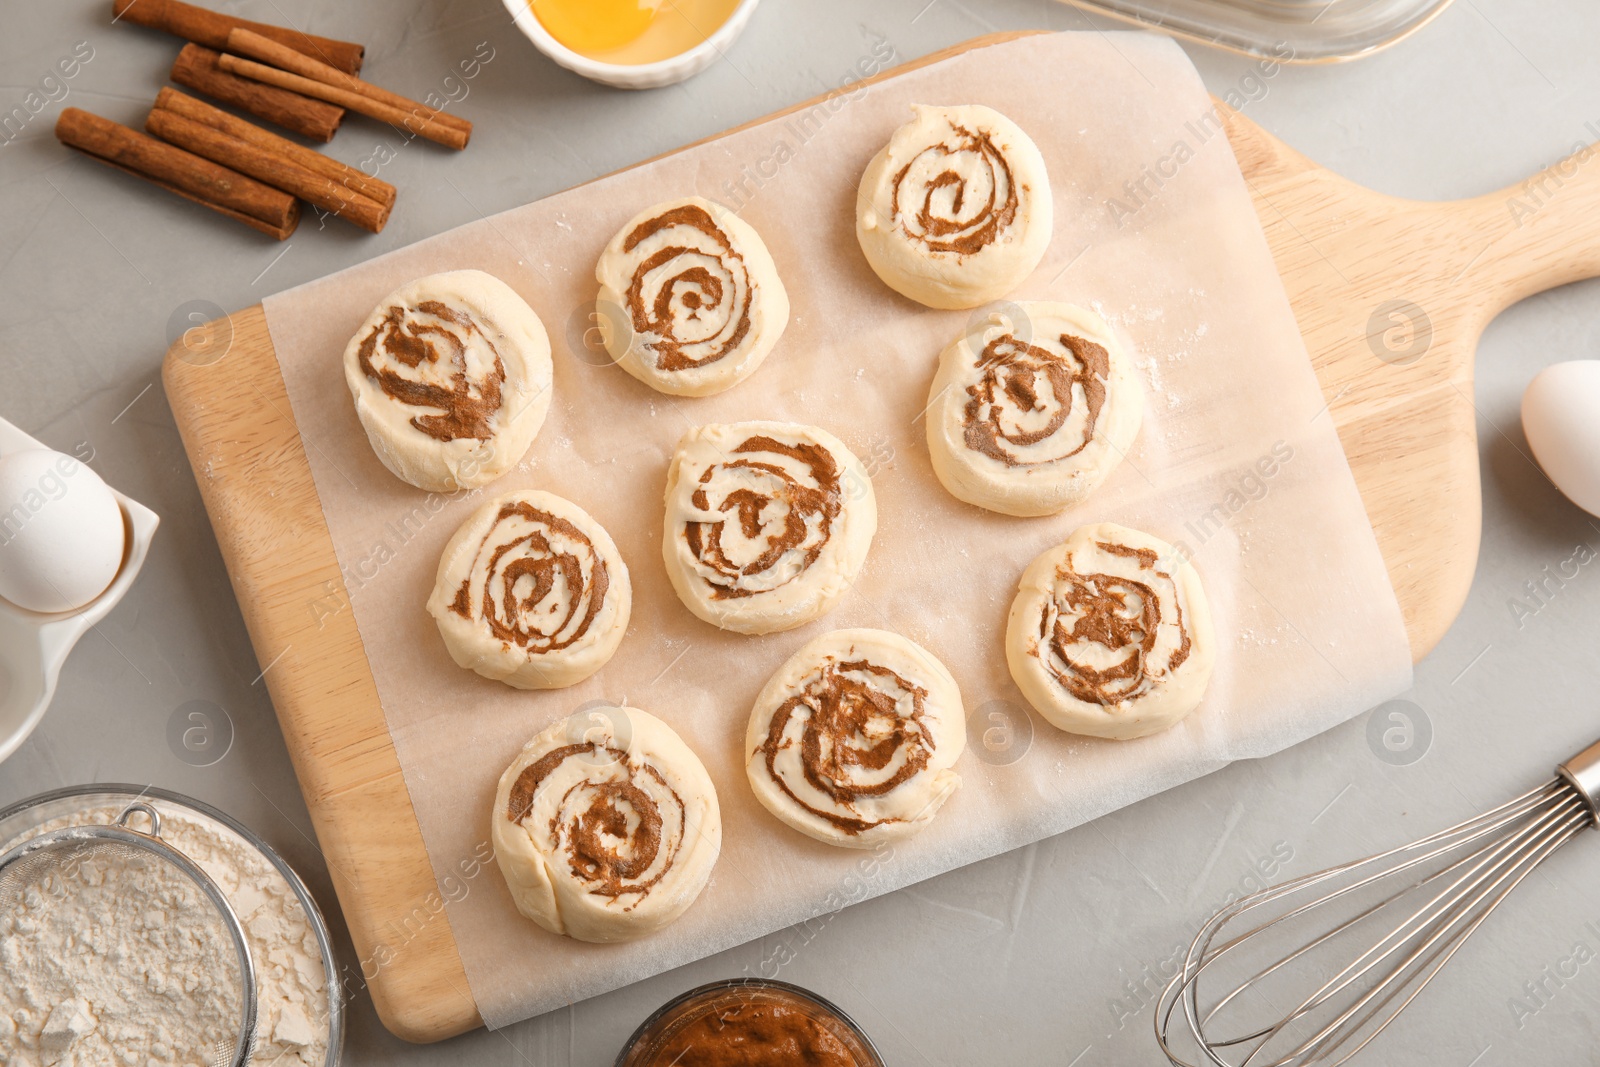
<point x="61" y="531"/>
<point x="1561" y="418"/>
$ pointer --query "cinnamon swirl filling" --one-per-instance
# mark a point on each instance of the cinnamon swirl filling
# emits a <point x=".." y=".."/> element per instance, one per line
<point x="767" y="523"/>
<point x="776" y="504"/>
<point x="956" y="209"/>
<point x="853" y="741"/>
<point x="1110" y="634"/>
<point x="689" y="299"/>
<point x="859" y="732"/>
<point x="617" y="825"/>
<point x="1032" y="409"/>
<point x="1035" y="404"/>
<point x="1100" y="635"/>
<point x="606" y="825"/>
<point x="957" y="195"/>
<point x="450" y="375"/>
<point x="531" y="591"/>
<point x="438" y="358"/>
<point x="537" y="582"/>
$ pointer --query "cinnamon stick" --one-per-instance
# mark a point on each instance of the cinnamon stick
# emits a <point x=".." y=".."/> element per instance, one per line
<point x="210" y="28"/>
<point x="419" y="119"/>
<point x="272" y="211"/>
<point x="196" y="68"/>
<point x="312" y="160"/>
<point x="253" y="45"/>
<point x="278" y="171"/>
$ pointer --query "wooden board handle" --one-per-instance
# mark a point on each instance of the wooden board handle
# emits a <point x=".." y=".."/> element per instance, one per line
<point x="1541" y="232"/>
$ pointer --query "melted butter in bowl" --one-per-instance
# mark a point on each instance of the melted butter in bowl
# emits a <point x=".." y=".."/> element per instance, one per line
<point x="632" y="32"/>
<point x="595" y="27"/>
<point x="632" y="44"/>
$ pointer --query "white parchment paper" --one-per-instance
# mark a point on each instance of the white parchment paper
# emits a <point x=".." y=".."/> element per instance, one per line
<point x="1237" y="459"/>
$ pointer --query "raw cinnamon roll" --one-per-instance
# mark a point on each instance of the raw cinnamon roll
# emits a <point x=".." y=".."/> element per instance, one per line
<point x="690" y="299"/>
<point x="606" y="826"/>
<point x="1110" y="634"/>
<point x="531" y="591"/>
<point x="956" y="209"/>
<point x="1028" y="417"/>
<point x="451" y="379"/>
<point x="853" y="739"/>
<point x="767" y="523"/>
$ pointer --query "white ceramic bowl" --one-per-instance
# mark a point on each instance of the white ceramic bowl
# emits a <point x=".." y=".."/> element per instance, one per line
<point x="33" y="646"/>
<point x="633" y="75"/>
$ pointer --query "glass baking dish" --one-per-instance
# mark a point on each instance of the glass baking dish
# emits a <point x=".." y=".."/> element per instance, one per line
<point x="1285" y="31"/>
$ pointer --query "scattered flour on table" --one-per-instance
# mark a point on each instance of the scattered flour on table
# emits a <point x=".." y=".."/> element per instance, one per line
<point x="1152" y="373"/>
<point x="120" y="961"/>
<point x="1248" y="636"/>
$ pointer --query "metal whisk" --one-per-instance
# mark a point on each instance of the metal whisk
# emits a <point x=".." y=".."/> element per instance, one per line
<point x="1333" y="957"/>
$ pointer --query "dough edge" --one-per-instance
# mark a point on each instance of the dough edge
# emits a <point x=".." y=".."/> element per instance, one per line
<point x="820" y="591"/>
<point x="1046" y="489"/>
<point x="446" y="466"/>
<point x="769" y="306"/>
<point x="1123" y="721"/>
<point x="904" y="656"/>
<point x="560" y="908"/>
<point x="962" y="281"/>
<point x="474" y="650"/>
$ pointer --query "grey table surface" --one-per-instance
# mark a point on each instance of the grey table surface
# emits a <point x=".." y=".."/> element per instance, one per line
<point x="1046" y="955"/>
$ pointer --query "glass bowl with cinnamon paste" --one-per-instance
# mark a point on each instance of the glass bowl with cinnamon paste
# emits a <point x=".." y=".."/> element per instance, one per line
<point x="748" y="1022"/>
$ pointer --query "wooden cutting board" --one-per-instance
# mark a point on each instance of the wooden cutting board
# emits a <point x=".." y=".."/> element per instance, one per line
<point x="1391" y="296"/>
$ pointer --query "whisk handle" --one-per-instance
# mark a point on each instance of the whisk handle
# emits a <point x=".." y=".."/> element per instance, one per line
<point x="1583" y="772"/>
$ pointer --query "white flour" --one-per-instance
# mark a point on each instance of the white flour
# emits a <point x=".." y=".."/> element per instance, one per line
<point x="132" y="967"/>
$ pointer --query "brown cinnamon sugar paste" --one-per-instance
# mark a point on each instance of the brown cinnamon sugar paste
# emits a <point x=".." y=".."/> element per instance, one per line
<point x="755" y="1033"/>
